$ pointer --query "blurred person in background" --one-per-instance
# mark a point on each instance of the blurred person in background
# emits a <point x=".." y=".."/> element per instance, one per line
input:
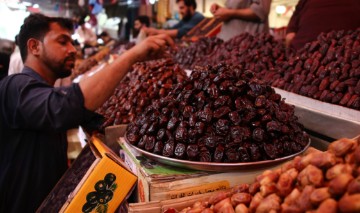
<point x="87" y="37"/>
<point x="240" y="16"/>
<point x="312" y="17"/>
<point x="190" y="18"/>
<point x="16" y="64"/>
<point x="105" y="37"/>
<point x="34" y="116"/>
<point x="140" y="23"/>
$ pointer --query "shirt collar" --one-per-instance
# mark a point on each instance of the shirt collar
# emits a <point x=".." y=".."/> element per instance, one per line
<point x="32" y="73"/>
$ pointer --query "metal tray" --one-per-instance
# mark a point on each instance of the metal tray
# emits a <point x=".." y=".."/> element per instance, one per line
<point x="211" y="166"/>
<point x="327" y="119"/>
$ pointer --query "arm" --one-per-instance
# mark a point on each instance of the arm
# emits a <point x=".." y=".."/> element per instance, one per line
<point x="35" y="105"/>
<point x="258" y="11"/>
<point x="226" y="14"/>
<point x="288" y="38"/>
<point x="293" y="25"/>
<point x="99" y="87"/>
<point x="152" y="31"/>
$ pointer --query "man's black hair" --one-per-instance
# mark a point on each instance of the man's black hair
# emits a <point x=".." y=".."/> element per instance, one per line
<point x="36" y="26"/>
<point x="188" y="3"/>
<point x="144" y="20"/>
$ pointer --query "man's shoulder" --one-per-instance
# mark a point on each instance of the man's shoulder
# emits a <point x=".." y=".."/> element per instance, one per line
<point x="16" y="80"/>
<point x="198" y="15"/>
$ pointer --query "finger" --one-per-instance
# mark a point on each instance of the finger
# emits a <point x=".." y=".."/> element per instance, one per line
<point x="160" y="42"/>
<point x="168" y="39"/>
<point x="154" y="47"/>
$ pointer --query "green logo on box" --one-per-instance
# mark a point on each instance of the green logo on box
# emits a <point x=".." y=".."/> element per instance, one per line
<point x="104" y="191"/>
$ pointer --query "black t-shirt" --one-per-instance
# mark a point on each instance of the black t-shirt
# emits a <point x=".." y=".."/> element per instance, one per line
<point x="34" y="117"/>
<point x="312" y="17"/>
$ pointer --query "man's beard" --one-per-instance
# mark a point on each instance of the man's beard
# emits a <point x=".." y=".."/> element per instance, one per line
<point x="136" y="32"/>
<point x="187" y="16"/>
<point x="59" y="68"/>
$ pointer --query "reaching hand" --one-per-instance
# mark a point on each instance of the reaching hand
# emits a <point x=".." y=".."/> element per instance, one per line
<point x="213" y="8"/>
<point x="151" y="46"/>
<point x="222" y="13"/>
<point x="149" y="30"/>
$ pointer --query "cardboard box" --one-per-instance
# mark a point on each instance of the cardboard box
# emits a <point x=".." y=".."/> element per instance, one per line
<point x="161" y="206"/>
<point x="97" y="182"/>
<point x="158" y="182"/>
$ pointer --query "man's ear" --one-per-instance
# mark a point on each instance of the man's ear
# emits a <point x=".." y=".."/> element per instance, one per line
<point x="33" y="46"/>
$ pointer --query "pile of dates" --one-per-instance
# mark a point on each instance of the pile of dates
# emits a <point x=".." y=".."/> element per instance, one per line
<point x="316" y="182"/>
<point x="327" y="69"/>
<point x="147" y="81"/>
<point x="259" y="53"/>
<point x="221" y="114"/>
<point x="186" y="55"/>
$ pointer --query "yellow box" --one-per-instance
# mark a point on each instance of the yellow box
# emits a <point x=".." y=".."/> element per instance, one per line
<point x="103" y="187"/>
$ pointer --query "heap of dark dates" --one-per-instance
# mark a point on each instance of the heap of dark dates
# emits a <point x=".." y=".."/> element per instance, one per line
<point x="327" y="69"/>
<point x="316" y="182"/>
<point x="147" y="81"/>
<point x="186" y="55"/>
<point x="221" y="114"/>
<point x="258" y="53"/>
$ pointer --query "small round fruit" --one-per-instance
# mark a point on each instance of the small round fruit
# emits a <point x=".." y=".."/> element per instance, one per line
<point x="88" y="207"/>
<point x="92" y="197"/>
<point x="105" y="196"/>
<point x="100" y="186"/>
<point x="109" y="179"/>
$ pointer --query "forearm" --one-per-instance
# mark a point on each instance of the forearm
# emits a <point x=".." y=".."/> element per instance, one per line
<point x="245" y="14"/>
<point x="172" y="33"/>
<point x="289" y="37"/>
<point x="98" y="88"/>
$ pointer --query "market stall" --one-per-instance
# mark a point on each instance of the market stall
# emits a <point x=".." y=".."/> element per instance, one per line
<point x="243" y="125"/>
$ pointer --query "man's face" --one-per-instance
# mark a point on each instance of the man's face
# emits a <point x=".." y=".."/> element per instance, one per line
<point x="184" y="10"/>
<point x="137" y="25"/>
<point x="58" y="52"/>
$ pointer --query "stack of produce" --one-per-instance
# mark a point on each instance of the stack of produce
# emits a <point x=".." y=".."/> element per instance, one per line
<point x="186" y="55"/>
<point x="205" y="28"/>
<point x="327" y="69"/>
<point x="221" y="114"/>
<point x="90" y="62"/>
<point x="258" y="53"/>
<point x="147" y="82"/>
<point x="316" y="182"/>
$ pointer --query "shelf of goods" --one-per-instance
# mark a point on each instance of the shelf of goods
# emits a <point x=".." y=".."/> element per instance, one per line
<point x="208" y="27"/>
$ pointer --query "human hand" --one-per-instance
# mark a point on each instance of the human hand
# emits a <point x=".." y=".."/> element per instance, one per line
<point x="151" y="47"/>
<point x="222" y="13"/>
<point x="214" y="7"/>
<point x="149" y="30"/>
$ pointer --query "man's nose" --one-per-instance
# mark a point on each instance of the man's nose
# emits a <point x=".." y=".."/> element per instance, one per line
<point x="71" y="48"/>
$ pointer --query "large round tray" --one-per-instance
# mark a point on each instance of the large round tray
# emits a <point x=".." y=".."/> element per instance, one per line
<point x="211" y="166"/>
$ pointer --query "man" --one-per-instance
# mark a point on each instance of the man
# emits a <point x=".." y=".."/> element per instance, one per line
<point x="139" y="23"/>
<point x="15" y="64"/>
<point x="312" y="17"/>
<point x="87" y="38"/>
<point x="34" y="116"/>
<point x="240" y="16"/>
<point x="190" y="18"/>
